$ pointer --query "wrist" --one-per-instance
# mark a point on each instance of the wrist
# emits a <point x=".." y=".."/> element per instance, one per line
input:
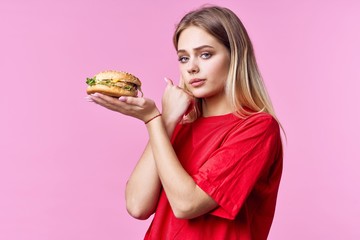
<point x="169" y="125"/>
<point x="152" y="118"/>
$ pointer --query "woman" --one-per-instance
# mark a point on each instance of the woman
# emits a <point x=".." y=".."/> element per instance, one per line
<point x="213" y="164"/>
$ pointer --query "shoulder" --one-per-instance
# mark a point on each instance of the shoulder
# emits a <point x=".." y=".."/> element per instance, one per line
<point x="256" y="126"/>
<point x="261" y="121"/>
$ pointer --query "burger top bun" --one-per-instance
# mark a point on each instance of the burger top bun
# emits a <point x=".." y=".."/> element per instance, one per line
<point x="118" y="75"/>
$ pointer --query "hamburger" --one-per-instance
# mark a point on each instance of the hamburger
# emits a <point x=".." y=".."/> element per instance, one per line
<point x="114" y="84"/>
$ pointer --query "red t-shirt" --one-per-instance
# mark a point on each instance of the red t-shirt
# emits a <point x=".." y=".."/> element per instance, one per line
<point x="238" y="162"/>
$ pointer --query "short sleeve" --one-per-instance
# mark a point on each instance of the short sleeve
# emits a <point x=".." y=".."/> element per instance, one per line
<point x="245" y="156"/>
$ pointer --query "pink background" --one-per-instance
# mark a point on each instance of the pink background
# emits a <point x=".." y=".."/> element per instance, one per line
<point x="64" y="162"/>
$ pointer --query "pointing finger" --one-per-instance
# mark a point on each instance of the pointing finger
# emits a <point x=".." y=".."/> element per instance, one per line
<point x="168" y="81"/>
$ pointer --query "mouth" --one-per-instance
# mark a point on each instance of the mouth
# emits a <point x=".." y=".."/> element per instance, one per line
<point x="196" y="82"/>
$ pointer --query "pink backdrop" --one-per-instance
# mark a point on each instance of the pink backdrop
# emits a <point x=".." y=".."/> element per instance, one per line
<point x="64" y="162"/>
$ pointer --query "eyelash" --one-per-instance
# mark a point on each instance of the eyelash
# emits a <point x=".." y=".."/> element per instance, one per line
<point x="183" y="59"/>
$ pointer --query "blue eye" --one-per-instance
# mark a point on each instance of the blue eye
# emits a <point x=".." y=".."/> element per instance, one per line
<point x="206" y="55"/>
<point x="183" y="59"/>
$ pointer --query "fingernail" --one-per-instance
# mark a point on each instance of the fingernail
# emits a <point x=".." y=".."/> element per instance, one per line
<point x="122" y="99"/>
<point x="166" y="79"/>
<point x="89" y="99"/>
<point x="95" y="94"/>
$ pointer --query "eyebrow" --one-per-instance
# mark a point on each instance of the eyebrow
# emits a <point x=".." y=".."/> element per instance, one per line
<point x="196" y="49"/>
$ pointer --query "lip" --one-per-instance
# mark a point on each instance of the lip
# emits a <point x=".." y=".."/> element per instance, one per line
<point x="196" y="82"/>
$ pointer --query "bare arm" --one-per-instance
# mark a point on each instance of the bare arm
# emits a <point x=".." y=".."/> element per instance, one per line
<point x="143" y="187"/>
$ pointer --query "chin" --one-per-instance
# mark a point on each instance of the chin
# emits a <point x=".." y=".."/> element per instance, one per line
<point x="207" y="94"/>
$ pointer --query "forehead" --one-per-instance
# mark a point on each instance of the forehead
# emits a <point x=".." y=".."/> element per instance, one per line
<point x="193" y="37"/>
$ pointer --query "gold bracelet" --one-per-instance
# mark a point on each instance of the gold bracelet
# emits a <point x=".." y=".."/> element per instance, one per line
<point x="153" y="118"/>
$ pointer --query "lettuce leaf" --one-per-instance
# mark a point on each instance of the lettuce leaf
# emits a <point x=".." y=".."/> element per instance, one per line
<point x="91" y="81"/>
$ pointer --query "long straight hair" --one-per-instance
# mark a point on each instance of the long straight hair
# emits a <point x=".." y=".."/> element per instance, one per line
<point x="244" y="87"/>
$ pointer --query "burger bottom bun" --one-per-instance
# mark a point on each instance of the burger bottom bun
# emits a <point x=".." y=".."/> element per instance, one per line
<point x="110" y="91"/>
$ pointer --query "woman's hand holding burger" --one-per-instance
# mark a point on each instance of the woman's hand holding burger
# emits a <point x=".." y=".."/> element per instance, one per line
<point x="117" y="91"/>
<point x="137" y="107"/>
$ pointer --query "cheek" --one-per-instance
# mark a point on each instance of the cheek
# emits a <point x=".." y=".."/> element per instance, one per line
<point x="221" y="72"/>
<point x="182" y="71"/>
<point x="220" y="65"/>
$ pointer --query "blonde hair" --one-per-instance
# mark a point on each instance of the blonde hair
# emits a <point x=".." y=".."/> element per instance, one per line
<point x="244" y="86"/>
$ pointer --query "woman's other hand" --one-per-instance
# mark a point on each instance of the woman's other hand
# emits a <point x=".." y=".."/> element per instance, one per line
<point x="175" y="103"/>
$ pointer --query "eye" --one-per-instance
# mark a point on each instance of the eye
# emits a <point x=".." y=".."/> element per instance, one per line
<point x="205" y="55"/>
<point x="183" y="59"/>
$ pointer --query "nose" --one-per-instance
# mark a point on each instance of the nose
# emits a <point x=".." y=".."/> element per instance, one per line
<point x="192" y="67"/>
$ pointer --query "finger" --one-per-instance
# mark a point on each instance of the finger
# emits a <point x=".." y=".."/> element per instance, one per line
<point x="122" y="99"/>
<point x="98" y="95"/>
<point x="88" y="98"/>
<point x="135" y="101"/>
<point x="168" y="81"/>
<point x="102" y="97"/>
<point x="99" y="99"/>
<point x="107" y="102"/>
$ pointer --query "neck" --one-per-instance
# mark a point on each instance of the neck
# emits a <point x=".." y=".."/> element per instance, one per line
<point x="215" y="106"/>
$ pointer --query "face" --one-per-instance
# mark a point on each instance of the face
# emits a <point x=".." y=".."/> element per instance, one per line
<point x="204" y="63"/>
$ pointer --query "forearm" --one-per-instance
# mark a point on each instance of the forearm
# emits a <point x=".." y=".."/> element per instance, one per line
<point x="143" y="187"/>
<point x="186" y="198"/>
